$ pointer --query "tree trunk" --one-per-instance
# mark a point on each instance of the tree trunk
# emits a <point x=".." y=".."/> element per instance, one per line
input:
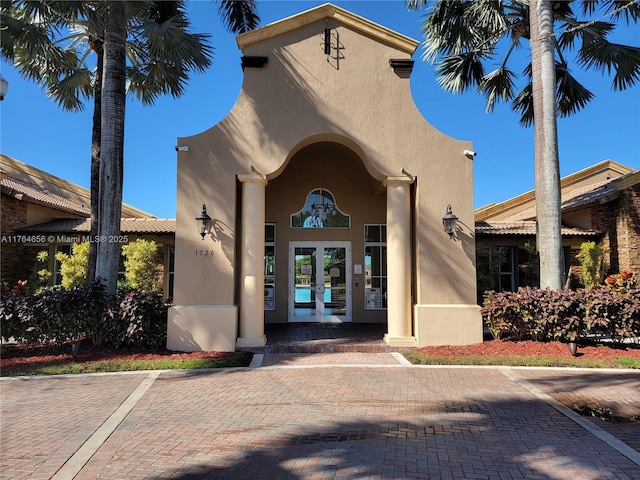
<point x="95" y="167"/>
<point x="112" y="145"/>
<point x="547" y="165"/>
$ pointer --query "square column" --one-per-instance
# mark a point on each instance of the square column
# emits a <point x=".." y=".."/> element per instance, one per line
<point x="251" y="328"/>
<point x="399" y="263"/>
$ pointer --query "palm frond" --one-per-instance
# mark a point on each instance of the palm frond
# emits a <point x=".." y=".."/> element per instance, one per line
<point x="162" y="55"/>
<point x="172" y="43"/>
<point x="457" y="73"/>
<point x="587" y="31"/>
<point x="415" y="5"/>
<point x="38" y="64"/>
<point x="69" y="90"/>
<point x="239" y="16"/>
<point x="523" y="103"/>
<point x="571" y="96"/>
<point x="160" y="11"/>
<point x="606" y="57"/>
<point x="561" y="9"/>
<point x="488" y="14"/>
<point x="153" y="79"/>
<point x="629" y="10"/>
<point x="497" y="86"/>
<point x="446" y="32"/>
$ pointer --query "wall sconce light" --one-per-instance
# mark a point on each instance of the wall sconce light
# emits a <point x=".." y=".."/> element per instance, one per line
<point x="449" y="222"/>
<point x="204" y="222"/>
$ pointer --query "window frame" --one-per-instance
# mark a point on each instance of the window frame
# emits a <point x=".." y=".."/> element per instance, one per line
<point x="270" y="305"/>
<point x="381" y="243"/>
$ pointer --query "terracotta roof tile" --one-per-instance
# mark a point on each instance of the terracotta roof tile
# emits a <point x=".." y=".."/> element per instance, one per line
<point x="83" y="225"/>
<point x="583" y="197"/>
<point x="526" y="229"/>
<point x="21" y="189"/>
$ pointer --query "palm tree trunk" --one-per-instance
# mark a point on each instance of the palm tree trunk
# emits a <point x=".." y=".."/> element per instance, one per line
<point x="112" y="145"/>
<point x="547" y="164"/>
<point x="95" y="167"/>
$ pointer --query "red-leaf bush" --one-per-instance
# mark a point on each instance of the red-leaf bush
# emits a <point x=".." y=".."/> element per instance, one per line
<point x="145" y="317"/>
<point x="610" y="311"/>
<point x="59" y="316"/>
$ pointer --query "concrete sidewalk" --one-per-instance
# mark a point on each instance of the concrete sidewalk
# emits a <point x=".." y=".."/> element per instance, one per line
<point x="318" y="417"/>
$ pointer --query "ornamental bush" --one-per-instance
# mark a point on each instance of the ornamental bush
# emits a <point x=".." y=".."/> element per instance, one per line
<point x="593" y="264"/>
<point x="73" y="268"/>
<point x="141" y="268"/>
<point x="611" y="311"/>
<point x="144" y="316"/>
<point x="59" y="316"/>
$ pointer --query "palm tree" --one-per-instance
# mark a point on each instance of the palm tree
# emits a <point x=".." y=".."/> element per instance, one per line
<point x="112" y="144"/>
<point x="160" y="51"/>
<point x="546" y="162"/>
<point x="461" y="37"/>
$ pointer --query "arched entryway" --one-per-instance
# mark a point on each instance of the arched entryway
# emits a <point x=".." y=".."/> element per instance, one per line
<point x="325" y="251"/>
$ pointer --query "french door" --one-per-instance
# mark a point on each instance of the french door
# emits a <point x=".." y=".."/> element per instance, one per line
<point x="319" y="281"/>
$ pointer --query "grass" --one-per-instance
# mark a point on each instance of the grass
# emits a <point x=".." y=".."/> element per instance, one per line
<point x="418" y="358"/>
<point x="237" y="359"/>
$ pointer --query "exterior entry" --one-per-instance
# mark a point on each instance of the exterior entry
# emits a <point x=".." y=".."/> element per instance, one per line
<point x="320" y="282"/>
<point x="326" y="189"/>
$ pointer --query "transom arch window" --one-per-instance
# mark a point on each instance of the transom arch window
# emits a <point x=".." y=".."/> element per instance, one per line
<point x="320" y="210"/>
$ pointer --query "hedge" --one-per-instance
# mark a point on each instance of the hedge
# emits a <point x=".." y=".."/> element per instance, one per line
<point x="60" y="316"/>
<point x="609" y="312"/>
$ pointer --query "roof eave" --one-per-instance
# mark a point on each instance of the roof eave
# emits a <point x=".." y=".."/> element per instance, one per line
<point x="401" y="42"/>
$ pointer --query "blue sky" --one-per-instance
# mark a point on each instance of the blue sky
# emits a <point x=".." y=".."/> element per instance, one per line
<point x="35" y="131"/>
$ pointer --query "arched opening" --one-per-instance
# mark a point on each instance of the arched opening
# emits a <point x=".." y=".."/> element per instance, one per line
<point x="324" y="274"/>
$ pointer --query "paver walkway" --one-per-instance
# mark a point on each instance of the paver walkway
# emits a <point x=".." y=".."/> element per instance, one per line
<point x="292" y="418"/>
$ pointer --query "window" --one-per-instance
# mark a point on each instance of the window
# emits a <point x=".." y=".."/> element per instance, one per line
<point x="269" y="266"/>
<point x="171" y="270"/>
<point x="320" y="211"/>
<point x="507" y="269"/>
<point x="375" y="267"/>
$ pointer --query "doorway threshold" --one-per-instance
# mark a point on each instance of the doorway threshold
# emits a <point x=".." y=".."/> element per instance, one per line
<point x="325" y="338"/>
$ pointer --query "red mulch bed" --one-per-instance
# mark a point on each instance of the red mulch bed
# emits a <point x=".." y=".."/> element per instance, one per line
<point x="17" y="355"/>
<point x="14" y="356"/>
<point x="530" y="348"/>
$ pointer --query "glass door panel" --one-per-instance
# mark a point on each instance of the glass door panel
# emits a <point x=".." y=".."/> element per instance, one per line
<point x="304" y="282"/>
<point x="335" y="281"/>
<point x="319" y="282"/>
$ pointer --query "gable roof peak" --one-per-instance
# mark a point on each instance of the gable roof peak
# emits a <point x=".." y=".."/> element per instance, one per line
<point x="329" y="10"/>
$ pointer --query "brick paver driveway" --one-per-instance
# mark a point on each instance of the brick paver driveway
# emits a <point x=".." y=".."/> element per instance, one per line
<point x="299" y="422"/>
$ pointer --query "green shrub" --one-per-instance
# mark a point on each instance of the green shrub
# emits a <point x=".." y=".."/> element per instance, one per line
<point x="73" y="268"/>
<point x="141" y="269"/>
<point x="593" y="265"/>
<point x="41" y="276"/>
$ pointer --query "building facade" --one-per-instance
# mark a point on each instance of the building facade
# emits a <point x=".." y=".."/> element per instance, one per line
<point x="41" y="212"/>
<point x="326" y="190"/>
<point x="600" y="204"/>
